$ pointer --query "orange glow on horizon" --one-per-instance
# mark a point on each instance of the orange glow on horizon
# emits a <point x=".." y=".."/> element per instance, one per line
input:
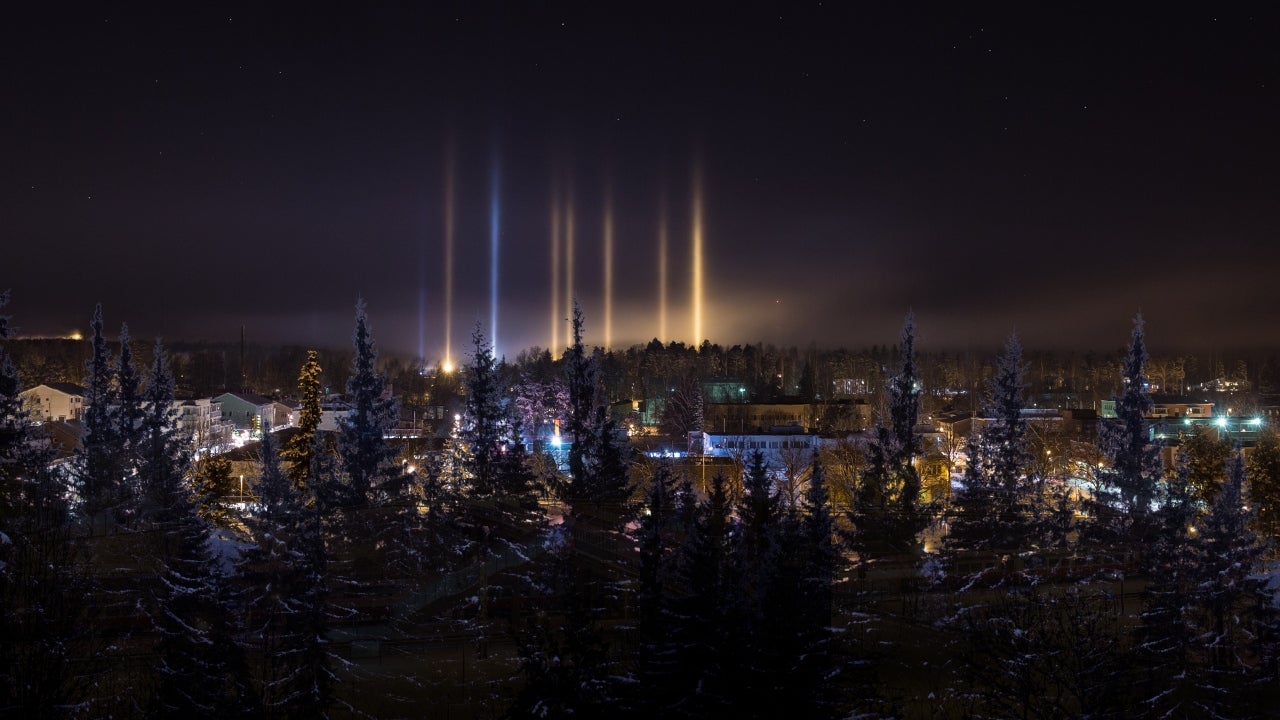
<point x="662" y="268"/>
<point x="449" y="230"/>
<point x="608" y="267"/>
<point x="697" y="239"/>
<point x="568" y="252"/>
<point x="555" y="268"/>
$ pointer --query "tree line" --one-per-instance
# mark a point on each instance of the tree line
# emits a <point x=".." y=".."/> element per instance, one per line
<point x="584" y="581"/>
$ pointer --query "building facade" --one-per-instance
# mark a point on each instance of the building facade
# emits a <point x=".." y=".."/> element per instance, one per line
<point x="54" y="401"/>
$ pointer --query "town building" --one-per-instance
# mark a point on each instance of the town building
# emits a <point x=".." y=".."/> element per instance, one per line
<point x="201" y="420"/>
<point x="54" y="401"/>
<point x="246" y="411"/>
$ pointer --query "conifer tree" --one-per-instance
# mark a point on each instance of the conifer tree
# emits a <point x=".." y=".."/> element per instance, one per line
<point x="1163" y="645"/>
<point x="272" y="579"/>
<point x="501" y="486"/>
<point x="707" y="626"/>
<point x="129" y="412"/>
<point x="1264" y="487"/>
<point x="999" y="507"/>
<point x="213" y="484"/>
<point x="300" y="451"/>
<point x="887" y="515"/>
<point x="286" y="573"/>
<point x="40" y="589"/>
<point x="598" y="490"/>
<point x="162" y="460"/>
<point x="818" y="553"/>
<point x="973" y="514"/>
<point x="99" y="465"/>
<point x="597" y="461"/>
<point x="1234" y="615"/>
<point x="571" y="663"/>
<point x="759" y="515"/>
<point x="759" y="573"/>
<point x="904" y="409"/>
<point x="366" y="455"/>
<point x="1036" y="654"/>
<point x="1122" y="506"/>
<point x="658" y="670"/>
<point x="485" y="423"/>
<point x="200" y="668"/>
<point x="1206" y="456"/>
<point x="313" y="678"/>
<point x="800" y="612"/>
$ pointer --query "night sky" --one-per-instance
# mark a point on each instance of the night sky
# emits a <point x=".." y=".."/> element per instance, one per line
<point x="1050" y="172"/>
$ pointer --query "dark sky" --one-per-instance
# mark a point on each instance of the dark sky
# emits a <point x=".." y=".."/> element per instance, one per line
<point x="1051" y="171"/>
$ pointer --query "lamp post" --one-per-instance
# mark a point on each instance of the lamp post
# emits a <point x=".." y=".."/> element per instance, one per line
<point x="242" y="487"/>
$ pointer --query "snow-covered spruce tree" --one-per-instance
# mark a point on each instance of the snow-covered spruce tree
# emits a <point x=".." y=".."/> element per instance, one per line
<point x="658" y="536"/>
<point x="570" y="662"/>
<point x="598" y="491"/>
<point x="1162" y="644"/>
<point x="273" y="580"/>
<point x="500" y="496"/>
<point x="1205" y="455"/>
<point x="163" y="462"/>
<point x="974" y="511"/>
<point x="99" y="467"/>
<point x="129" y="412"/>
<point x="40" y="589"/>
<point x="212" y="484"/>
<point x="306" y="688"/>
<point x="405" y="540"/>
<point x="682" y="412"/>
<point x="784" y="569"/>
<point x="706" y="628"/>
<point x="367" y="458"/>
<point x="597" y="458"/>
<point x="1121" y="509"/>
<point x="200" y="669"/>
<point x="904" y="410"/>
<point x="800" y="612"/>
<point x="759" y="514"/>
<point x="1000" y="506"/>
<point x="1234" y="620"/>
<point x="1263" y="490"/>
<point x="1034" y="654"/>
<point x="484" y="423"/>
<point x="299" y="452"/>
<point x="758" y="573"/>
<point x="887" y="515"/>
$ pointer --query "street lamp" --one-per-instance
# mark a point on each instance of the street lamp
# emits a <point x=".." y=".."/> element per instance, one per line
<point x="242" y="487"/>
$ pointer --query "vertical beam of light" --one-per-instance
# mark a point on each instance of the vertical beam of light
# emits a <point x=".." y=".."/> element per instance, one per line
<point x="449" y="229"/>
<point x="697" y="254"/>
<point x="495" y="179"/>
<point x="422" y="306"/>
<point x="608" y="265"/>
<point x="662" y="267"/>
<point x="554" y="345"/>
<point x="568" y="252"/>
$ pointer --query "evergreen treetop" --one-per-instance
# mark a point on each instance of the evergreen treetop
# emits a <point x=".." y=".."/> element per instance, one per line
<point x="299" y="453"/>
<point x="1124" y="504"/>
<point x="366" y="455"/>
<point x="99" y="465"/>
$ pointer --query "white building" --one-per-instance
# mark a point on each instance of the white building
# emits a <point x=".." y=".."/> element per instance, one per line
<point x="781" y="446"/>
<point x="201" y="420"/>
<point x="330" y="413"/>
<point x="246" y="411"/>
<point x="54" y="401"/>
